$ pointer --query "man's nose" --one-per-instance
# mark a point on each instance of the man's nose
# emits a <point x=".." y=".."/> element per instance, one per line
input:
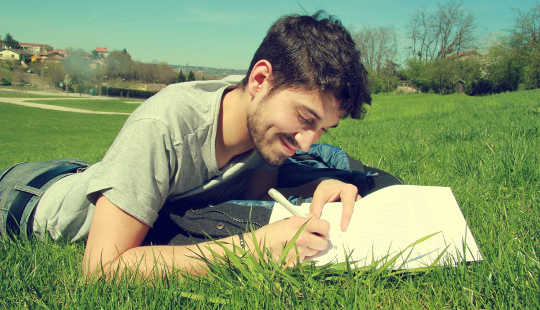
<point x="306" y="138"/>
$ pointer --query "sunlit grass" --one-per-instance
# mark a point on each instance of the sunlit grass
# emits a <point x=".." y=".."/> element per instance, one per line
<point x="485" y="148"/>
<point x="17" y="94"/>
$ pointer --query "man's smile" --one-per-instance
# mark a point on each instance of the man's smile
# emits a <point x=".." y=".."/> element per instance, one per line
<point x="289" y="144"/>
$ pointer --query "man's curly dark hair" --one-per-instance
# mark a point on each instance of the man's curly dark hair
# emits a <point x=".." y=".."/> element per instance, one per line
<point x="315" y="52"/>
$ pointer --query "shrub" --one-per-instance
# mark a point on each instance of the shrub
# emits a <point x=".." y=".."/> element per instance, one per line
<point x="5" y="76"/>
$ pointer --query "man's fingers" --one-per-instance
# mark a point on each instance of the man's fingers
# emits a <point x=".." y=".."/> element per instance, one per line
<point x="319" y="199"/>
<point x="313" y="241"/>
<point x="348" y="197"/>
<point x="310" y="252"/>
<point x="316" y="208"/>
<point x="302" y="254"/>
<point x="318" y="227"/>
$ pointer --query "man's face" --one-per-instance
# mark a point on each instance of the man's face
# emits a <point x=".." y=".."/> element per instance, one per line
<point x="290" y="119"/>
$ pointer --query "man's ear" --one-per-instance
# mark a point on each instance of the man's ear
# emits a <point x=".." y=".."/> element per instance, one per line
<point x="260" y="77"/>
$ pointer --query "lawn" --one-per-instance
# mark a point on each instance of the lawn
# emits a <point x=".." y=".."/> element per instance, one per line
<point x="21" y="94"/>
<point x="485" y="148"/>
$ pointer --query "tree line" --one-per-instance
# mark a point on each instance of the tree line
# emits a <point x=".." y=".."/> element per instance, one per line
<point x="444" y="57"/>
<point x="117" y="67"/>
<point x="81" y="71"/>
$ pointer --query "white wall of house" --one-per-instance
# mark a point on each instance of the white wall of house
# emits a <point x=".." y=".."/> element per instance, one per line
<point x="9" y="55"/>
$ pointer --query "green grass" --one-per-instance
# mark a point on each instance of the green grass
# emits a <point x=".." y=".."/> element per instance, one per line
<point x="108" y="105"/>
<point x="485" y="148"/>
<point x="17" y="94"/>
<point x="35" y="134"/>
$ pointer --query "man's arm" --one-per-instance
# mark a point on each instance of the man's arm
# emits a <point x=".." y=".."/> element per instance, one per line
<point x="114" y="240"/>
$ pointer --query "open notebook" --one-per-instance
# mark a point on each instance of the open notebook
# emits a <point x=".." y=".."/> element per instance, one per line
<point x="390" y="220"/>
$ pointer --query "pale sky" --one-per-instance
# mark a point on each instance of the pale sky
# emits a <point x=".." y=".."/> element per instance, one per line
<point x="221" y="34"/>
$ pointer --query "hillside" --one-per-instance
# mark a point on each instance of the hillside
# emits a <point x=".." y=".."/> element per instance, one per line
<point x="208" y="72"/>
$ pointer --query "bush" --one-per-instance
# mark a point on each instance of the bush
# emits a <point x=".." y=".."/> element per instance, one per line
<point x="6" y="72"/>
<point x="19" y="78"/>
<point x="479" y="87"/>
<point x="5" y="76"/>
<point x="54" y="72"/>
<point x="382" y="83"/>
<point x="531" y="71"/>
<point x="504" y="73"/>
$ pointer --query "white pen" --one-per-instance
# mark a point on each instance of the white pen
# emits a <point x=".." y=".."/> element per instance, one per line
<point x="277" y="196"/>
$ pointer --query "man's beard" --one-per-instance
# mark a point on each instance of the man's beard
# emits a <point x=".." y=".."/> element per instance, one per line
<point x="257" y="132"/>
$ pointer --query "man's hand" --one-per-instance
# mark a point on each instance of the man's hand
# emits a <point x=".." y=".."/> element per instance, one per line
<point x="332" y="190"/>
<point x="312" y="240"/>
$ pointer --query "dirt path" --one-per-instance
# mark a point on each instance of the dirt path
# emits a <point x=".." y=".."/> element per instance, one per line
<point x="52" y="93"/>
<point x="25" y="102"/>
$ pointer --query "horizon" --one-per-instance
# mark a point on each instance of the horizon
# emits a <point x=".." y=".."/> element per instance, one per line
<point x="215" y="35"/>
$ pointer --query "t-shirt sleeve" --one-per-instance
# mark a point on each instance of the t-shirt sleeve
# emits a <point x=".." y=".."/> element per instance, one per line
<point x="135" y="172"/>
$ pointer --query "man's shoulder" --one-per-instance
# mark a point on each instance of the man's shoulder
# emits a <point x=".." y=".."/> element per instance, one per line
<point x="200" y="87"/>
<point x="184" y="104"/>
<point x="195" y="87"/>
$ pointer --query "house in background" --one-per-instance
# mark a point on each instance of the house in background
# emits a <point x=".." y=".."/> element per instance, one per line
<point x="102" y="52"/>
<point x="35" y="48"/>
<point x="56" y="55"/>
<point x="59" y="52"/>
<point x="9" y="55"/>
<point x="15" y="55"/>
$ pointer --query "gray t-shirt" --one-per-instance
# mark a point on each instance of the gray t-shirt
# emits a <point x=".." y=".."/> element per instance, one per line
<point x="164" y="151"/>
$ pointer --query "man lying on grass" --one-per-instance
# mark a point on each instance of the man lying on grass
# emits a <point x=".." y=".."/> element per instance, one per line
<point x="196" y="145"/>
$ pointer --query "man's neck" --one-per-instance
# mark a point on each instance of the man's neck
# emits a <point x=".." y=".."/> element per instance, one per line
<point x="232" y="133"/>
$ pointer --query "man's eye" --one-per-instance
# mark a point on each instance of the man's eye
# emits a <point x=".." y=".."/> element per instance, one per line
<point x="305" y="120"/>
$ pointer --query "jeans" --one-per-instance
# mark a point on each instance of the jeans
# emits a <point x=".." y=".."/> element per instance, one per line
<point x="21" y="187"/>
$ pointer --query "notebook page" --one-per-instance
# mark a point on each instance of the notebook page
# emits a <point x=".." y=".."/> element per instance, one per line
<point x="387" y="221"/>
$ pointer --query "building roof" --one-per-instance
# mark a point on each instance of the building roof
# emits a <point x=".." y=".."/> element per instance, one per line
<point x="63" y="52"/>
<point x="34" y="44"/>
<point x="101" y="50"/>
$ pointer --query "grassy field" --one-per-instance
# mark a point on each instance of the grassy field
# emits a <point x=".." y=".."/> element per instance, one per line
<point x="11" y="94"/>
<point x="486" y="148"/>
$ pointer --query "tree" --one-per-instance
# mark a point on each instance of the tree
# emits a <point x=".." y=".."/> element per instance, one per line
<point x="386" y="80"/>
<point x="526" y="32"/>
<point x="191" y="76"/>
<point x="10" y="42"/>
<point x="95" y="54"/>
<point x="120" y="65"/>
<point x="525" y="40"/>
<point x="79" y="74"/>
<point x="504" y="68"/>
<point x="181" y="77"/>
<point x="378" y="50"/>
<point x="55" y="73"/>
<point x="438" y="34"/>
<point x="165" y="73"/>
<point x="377" y="46"/>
